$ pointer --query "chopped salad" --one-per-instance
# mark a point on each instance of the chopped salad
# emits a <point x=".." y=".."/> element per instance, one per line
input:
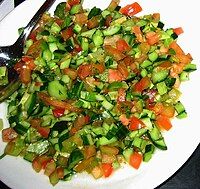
<point x="97" y="89"/>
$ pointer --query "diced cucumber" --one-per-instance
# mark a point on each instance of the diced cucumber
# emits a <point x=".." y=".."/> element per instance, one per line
<point x="159" y="76"/>
<point x="112" y="30"/>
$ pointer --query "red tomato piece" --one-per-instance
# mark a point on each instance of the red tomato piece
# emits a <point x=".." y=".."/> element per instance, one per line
<point x="107" y="169"/>
<point x="178" y="31"/>
<point x="67" y="33"/>
<point x="8" y="134"/>
<point x="84" y="71"/>
<point x="121" y="95"/>
<point x="72" y="73"/>
<point x="114" y="75"/>
<point x="135" y="123"/>
<point x="73" y="2"/>
<point x="163" y="122"/>
<point x="115" y="53"/>
<point x="58" y="112"/>
<point x="144" y="83"/>
<point x="176" y="48"/>
<point x="122" y="45"/>
<point x="44" y="131"/>
<point x="152" y="38"/>
<point x="60" y="172"/>
<point x="136" y="160"/>
<point x="131" y="10"/>
<point x="122" y="68"/>
<point x="125" y="121"/>
<point x="25" y="75"/>
<point x="87" y="119"/>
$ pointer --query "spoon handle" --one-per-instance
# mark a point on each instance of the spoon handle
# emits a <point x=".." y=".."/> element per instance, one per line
<point x="32" y="23"/>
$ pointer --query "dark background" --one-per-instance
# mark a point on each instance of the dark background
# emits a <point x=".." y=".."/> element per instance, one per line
<point x="187" y="177"/>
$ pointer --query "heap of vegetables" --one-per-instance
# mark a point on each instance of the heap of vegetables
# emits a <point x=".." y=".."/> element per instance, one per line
<point x="98" y="87"/>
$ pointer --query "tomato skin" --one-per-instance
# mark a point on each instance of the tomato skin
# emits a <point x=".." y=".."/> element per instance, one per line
<point x="25" y="75"/>
<point x="8" y="134"/>
<point x="84" y="71"/>
<point x="121" y="95"/>
<point x="138" y="33"/>
<point x="176" y="48"/>
<point x="58" y="112"/>
<point x="67" y="33"/>
<point x="122" y="45"/>
<point x="57" y="103"/>
<point x="125" y="121"/>
<point x="163" y="122"/>
<point x="135" y="124"/>
<point x="136" y="160"/>
<point x="73" y="2"/>
<point x="144" y="83"/>
<point x="152" y="38"/>
<point x="107" y="169"/>
<point x="87" y="119"/>
<point x="178" y="30"/>
<point x="168" y="111"/>
<point x="72" y="73"/>
<point x="131" y="10"/>
<point x="44" y="131"/>
<point x="114" y="75"/>
<point x="115" y="53"/>
<point x="122" y="68"/>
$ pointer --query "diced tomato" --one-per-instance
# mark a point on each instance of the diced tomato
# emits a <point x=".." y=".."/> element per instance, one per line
<point x="33" y="35"/>
<point x="115" y="53"/>
<point x="59" y="21"/>
<point x="178" y="31"/>
<point x="168" y="111"/>
<point x="157" y="108"/>
<point x="166" y="64"/>
<point x="87" y="119"/>
<point x="35" y="49"/>
<point x="108" y="20"/>
<point x="81" y="18"/>
<point x="107" y="169"/>
<point x="18" y="66"/>
<point x="25" y="75"/>
<point x="98" y="67"/>
<point x="122" y="45"/>
<point x="121" y="95"/>
<point x="144" y="83"/>
<point x="163" y="122"/>
<point x="60" y="172"/>
<point x="29" y="62"/>
<point x="152" y="38"/>
<point x="73" y="2"/>
<point x="156" y="17"/>
<point x="67" y="33"/>
<point x="84" y="71"/>
<point x="114" y="75"/>
<point x="58" y="112"/>
<point x="57" y="103"/>
<point x="131" y="10"/>
<point x="8" y="134"/>
<point x="122" y="68"/>
<point x="93" y="23"/>
<point x="185" y="59"/>
<point x="125" y="121"/>
<point x="135" y="123"/>
<point x="128" y="60"/>
<point x="37" y="166"/>
<point x="138" y="33"/>
<point x="78" y="48"/>
<point x="44" y="131"/>
<point x="176" y="48"/>
<point x="136" y="160"/>
<point x="72" y="73"/>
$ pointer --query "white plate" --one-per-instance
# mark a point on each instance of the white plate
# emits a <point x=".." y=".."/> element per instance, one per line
<point x="182" y="139"/>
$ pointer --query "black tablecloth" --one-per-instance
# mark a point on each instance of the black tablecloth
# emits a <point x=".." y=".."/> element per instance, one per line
<point x="187" y="177"/>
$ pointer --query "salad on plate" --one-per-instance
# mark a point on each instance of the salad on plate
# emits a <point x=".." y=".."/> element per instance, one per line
<point x="98" y="89"/>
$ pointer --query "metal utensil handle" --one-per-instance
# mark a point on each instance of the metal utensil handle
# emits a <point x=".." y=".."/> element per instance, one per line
<point x="30" y="26"/>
